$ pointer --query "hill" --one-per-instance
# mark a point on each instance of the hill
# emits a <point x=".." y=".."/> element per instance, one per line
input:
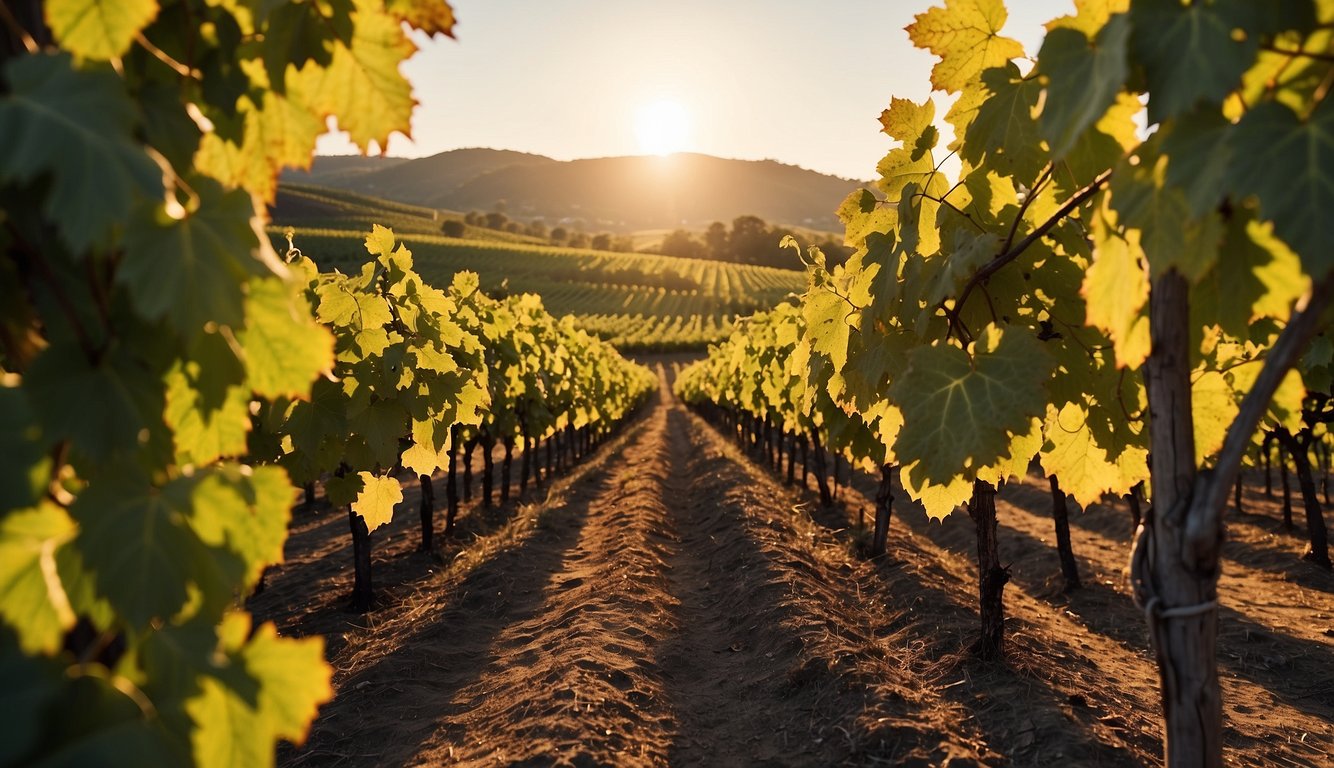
<point x="612" y="193"/>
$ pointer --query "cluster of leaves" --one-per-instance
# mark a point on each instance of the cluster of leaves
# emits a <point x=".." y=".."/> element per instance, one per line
<point x="143" y="314"/>
<point x="417" y="367"/>
<point x="1004" y="315"/>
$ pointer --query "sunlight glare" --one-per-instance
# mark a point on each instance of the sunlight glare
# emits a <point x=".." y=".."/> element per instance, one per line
<point x="663" y="128"/>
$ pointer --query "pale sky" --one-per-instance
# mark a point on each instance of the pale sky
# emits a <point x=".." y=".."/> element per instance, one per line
<point x="799" y="81"/>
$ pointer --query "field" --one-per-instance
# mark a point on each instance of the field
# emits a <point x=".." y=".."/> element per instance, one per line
<point x="638" y="302"/>
<point x="671" y="602"/>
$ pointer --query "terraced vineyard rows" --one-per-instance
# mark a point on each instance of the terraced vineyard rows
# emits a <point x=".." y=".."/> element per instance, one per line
<point x="638" y="302"/>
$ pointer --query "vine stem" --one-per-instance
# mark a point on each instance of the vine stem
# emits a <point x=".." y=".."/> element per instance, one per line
<point x="998" y="263"/>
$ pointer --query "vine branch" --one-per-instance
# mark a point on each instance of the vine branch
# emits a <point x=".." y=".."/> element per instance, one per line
<point x="1012" y="253"/>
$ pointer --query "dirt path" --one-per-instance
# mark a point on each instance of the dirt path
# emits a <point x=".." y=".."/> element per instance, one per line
<point x="669" y="602"/>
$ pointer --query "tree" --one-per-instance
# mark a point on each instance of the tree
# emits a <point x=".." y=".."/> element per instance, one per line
<point x="559" y="235"/>
<point x="682" y="244"/>
<point x="496" y="220"/>
<point x="715" y="239"/>
<point x="453" y="228"/>
<point x="601" y="242"/>
<point x="751" y="242"/>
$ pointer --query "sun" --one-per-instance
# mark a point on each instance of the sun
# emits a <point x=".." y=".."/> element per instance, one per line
<point x="662" y="127"/>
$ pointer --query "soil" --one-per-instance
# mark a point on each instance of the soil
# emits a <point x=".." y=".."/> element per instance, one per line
<point x="670" y="602"/>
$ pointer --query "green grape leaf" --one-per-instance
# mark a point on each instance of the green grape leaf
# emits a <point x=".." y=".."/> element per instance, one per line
<point x="285" y="349"/>
<point x="1005" y="130"/>
<point x="203" y="430"/>
<point x="965" y="34"/>
<point x="190" y="271"/>
<point x="375" y="503"/>
<point x="296" y="679"/>
<point x="362" y="84"/>
<point x="35" y="604"/>
<point x="381" y="425"/>
<point x="243" y="510"/>
<point x="1083" y="79"/>
<point x="961" y="413"/>
<point x="1199" y="154"/>
<point x="1257" y="276"/>
<point x="946" y="272"/>
<point x="76" y="126"/>
<point x="829" y="321"/>
<point x="1189" y="52"/>
<point x="1116" y="292"/>
<point x="1288" y="163"/>
<point x="98" y="29"/>
<point x="31" y="686"/>
<point x="137" y="546"/>
<point x="91" y="722"/>
<point x="1170" y="236"/>
<point x="100" y="407"/>
<point x="26" y="467"/>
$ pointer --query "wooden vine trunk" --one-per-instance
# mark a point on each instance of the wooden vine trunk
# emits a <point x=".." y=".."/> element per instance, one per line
<point x="991" y="576"/>
<point x="427" y="512"/>
<point x="362" y="590"/>
<point x="1060" y="513"/>
<point x="1181" y="575"/>
<point x="884" y="507"/>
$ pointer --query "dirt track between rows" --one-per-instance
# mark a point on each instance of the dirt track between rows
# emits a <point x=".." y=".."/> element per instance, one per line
<point x="670" y="603"/>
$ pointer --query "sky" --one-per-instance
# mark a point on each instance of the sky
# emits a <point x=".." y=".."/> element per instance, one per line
<point x="798" y="81"/>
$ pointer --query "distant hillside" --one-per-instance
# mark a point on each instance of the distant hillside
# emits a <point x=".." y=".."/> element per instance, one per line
<point x="614" y="193"/>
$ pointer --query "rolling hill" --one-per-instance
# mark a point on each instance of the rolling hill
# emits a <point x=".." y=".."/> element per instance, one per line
<point x="612" y="193"/>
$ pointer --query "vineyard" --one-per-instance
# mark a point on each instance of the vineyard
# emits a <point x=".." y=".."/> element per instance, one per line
<point x="1037" y="477"/>
<point x="637" y="302"/>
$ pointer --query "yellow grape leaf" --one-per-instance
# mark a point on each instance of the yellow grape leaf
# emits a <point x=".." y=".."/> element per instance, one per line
<point x="938" y="500"/>
<point x="965" y="34"/>
<point x="1116" y="289"/>
<point x="376" y="501"/>
<point x="1213" y="409"/>
<point x="362" y="84"/>
<point x="1076" y="459"/>
<point x="98" y="29"/>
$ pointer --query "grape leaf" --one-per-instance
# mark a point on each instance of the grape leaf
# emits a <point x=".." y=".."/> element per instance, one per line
<point x="362" y="84"/>
<point x="243" y="510"/>
<point x="430" y="16"/>
<point x="1189" y="52"/>
<point x="98" y="29"/>
<point x="1116" y="292"/>
<point x="910" y="123"/>
<point x="1198" y="152"/>
<point x="75" y="125"/>
<point x="375" y="503"/>
<point x="191" y="270"/>
<point x="137" y="546"/>
<point x="285" y="349"/>
<point x="1170" y="236"/>
<point x="961" y="412"/>
<point x="965" y="34"/>
<point x="1083" y="78"/>
<point x="1005" y="130"/>
<point x="99" y="407"/>
<point x="1288" y="163"/>
<point x="26" y="467"/>
<point x="1075" y="458"/>
<point x="35" y="606"/>
<point x="1257" y="276"/>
